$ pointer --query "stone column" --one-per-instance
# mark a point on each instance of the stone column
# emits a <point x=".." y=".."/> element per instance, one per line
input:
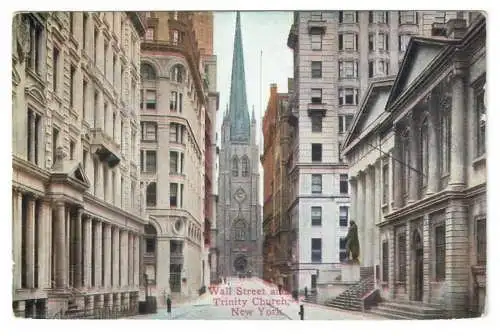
<point x="116" y="257"/>
<point x="124" y="257"/>
<point x="433" y="178"/>
<point x="354" y="192"/>
<point x="87" y="252"/>
<point x="391" y="263"/>
<point x="107" y="255"/>
<point x="458" y="122"/>
<point x="44" y="252"/>
<point x="368" y="219"/>
<point x="377" y="218"/>
<point x="137" y="271"/>
<point x="130" y="254"/>
<point x="78" y="248"/>
<point x="60" y="247"/>
<point x="17" y="236"/>
<point x="30" y="242"/>
<point x="414" y="171"/>
<point x="98" y="253"/>
<point x="360" y="221"/>
<point x="398" y="170"/>
<point x="163" y="265"/>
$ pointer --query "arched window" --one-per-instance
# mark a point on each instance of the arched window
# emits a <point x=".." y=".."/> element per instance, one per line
<point x="177" y="73"/>
<point x="245" y="166"/>
<point x="235" y="168"/>
<point x="239" y="230"/>
<point x="151" y="194"/>
<point x="424" y="152"/>
<point x="147" y="72"/>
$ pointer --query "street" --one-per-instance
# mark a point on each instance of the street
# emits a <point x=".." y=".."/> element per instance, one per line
<point x="250" y="299"/>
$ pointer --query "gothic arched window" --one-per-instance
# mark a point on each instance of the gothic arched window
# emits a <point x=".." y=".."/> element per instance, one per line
<point x="235" y="168"/>
<point x="424" y="152"/>
<point x="148" y="72"/>
<point x="177" y="73"/>
<point x="239" y="230"/>
<point x="245" y="166"/>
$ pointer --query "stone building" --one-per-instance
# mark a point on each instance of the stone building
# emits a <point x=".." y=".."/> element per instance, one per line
<point x="239" y="226"/>
<point x="173" y="118"/>
<point x="417" y="158"/>
<point x="336" y="55"/>
<point x="77" y="223"/>
<point x="277" y="254"/>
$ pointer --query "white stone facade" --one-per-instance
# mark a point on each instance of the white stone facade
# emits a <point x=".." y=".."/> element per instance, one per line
<point x="76" y="214"/>
<point x="352" y="49"/>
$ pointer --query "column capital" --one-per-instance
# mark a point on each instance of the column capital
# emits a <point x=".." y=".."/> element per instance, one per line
<point x="353" y="179"/>
<point x="459" y="67"/>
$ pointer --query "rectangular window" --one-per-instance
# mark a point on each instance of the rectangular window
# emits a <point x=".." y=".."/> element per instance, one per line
<point x="316" y="123"/>
<point x="408" y="17"/>
<point x="316" y="69"/>
<point x="150" y="99"/>
<point x="151" y="195"/>
<point x="344" y="184"/>
<point x="316" y="39"/>
<point x="348" y="42"/>
<point x="34" y="55"/>
<point x="343" y="216"/>
<point x="316" y="16"/>
<point x="173" y="101"/>
<point x="182" y="163"/>
<point x="342" y="249"/>
<point x="150" y="164"/>
<point x="148" y="131"/>
<point x="480" y="109"/>
<point x="341" y="159"/>
<point x="348" y="96"/>
<point x="150" y="33"/>
<point x="378" y="17"/>
<point x="180" y="102"/>
<point x="317" y="152"/>
<point x="385" y="261"/>
<point x="33" y="131"/>
<point x="84" y="30"/>
<point x="481" y="241"/>
<point x="176" y="133"/>
<point x="85" y="97"/>
<point x="96" y="39"/>
<point x="84" y="159"/>
<point x="173" y="194"/>
<point x="150" y="245"/>
<point x="316" y="250"/>
<point x="106" y="44"/>
<point x="132" y="195"/>
<point x="402" y="257"/>
<point x="71" y="150"/>
<point x="113" y="187"/>
<point x="385" y="181"/>
<point x="348" y="17"/>
<point x="316" y="213"/>
<point x="72" y="79"/>
<point x="345" y="122"/>
<point x="55" y="140"/>
<point x="55" y="69"/>
<point x="316" y="184"/>
<point x="370" y="69"/>
<point x="316" y="96"/>
<point x="440" y="250"/>
<point x="348" y="69"/>
<point x="174" y="162"/>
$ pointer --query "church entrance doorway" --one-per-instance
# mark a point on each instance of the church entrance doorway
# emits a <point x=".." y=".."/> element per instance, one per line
<point x="240" y="264"/>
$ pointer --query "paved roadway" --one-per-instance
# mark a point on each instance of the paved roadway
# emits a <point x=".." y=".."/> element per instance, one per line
<point x="250" y="299"/>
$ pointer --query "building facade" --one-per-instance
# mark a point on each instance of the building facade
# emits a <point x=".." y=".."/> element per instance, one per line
<point x="417" y="157"/>
<point x="77" y="225"/>
<point x="336" y="55"/>
<point x="239" y="226"/>
<point x="173" y="117"/>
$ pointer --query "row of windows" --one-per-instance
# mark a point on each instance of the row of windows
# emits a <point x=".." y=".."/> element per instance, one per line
<point x="317" y="214"/>
<point x="245" y="166"/>
<point x="405" y="17"/>
<point x="149" y="132"/>
<point x="177" y="73"/>
<point x="176" y="195"/>
<point x="317" y="184"/>
<point x="316" y="250"/>
<point x="344" y="122"/>
<point x="149" y="162"/>
<point x="349" y="69"/>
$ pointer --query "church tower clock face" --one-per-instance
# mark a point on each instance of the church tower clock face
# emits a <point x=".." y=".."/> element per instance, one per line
<point x="240" y="195"/>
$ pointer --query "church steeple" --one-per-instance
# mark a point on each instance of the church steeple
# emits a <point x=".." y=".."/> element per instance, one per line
<point x="238" y="108"/>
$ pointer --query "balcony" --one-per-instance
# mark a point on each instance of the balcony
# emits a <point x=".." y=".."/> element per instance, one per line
<point x="316" y="23"/>
<point x="316" y="108"/>
<point x="105" y="147"/>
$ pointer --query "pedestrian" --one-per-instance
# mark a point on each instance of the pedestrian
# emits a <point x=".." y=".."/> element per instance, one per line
<point x="169" y="305"/>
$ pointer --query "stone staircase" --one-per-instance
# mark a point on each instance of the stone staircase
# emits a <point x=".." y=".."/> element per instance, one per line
<point x="401" y="310"/>
<point x="312" y="297"/>
<point x="351" y="298"/>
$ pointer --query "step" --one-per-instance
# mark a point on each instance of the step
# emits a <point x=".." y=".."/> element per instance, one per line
<point x="391" y="316"/>
<point x="411" y="307"/>
<point x="408" y="315"/>
<point x="415" y="311"/>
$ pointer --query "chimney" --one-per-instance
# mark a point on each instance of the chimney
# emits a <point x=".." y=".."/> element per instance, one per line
<point x="274" y="87"/>
<point x="456" y="28"/>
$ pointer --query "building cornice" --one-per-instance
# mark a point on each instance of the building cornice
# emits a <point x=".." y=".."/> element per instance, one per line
<point x="138" y="22"/>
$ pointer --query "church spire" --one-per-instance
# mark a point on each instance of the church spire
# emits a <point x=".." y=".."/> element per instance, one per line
<point x="238" y="108"/>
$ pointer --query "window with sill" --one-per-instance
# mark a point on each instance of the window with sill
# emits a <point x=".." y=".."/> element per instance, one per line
<point x="348" y="96"/>
<point x="55" y="141"/>
<point x="55" y="70"/>
<point x="481" y="242"/>
<point x="344" y="184"/>
<point x="316" y="184"/>
<point x="341" y="158"/>
<point x="173" y="101"/>
<point x="96" y="40"/>
<point x="348" y="16"/>
<point x="343" y="216"/>
<point x="34" y="56"/>
<point x="316" y="69"/>
<point x="177" y="73"/>
<point x="316" y="256"/>
<point x="440" y="252"/>
<point x="378" y="41"/>
<point x="342" y="249"/>
<point x="150" y="245"/>
<point x="151" y="194"/>
<point x="177" y="133"/>
<point x="176" y="162"/>
<point x="316" y="123"/>
<point x="385" y="181"/>
<point x="316" y="152"/>
<point x="316" y="96"/>
<point x="385" y="261"/>
<point x="378" y="17"/>
<point x="150" y="99"/>
<point x="408" y="17"/>
<point x="345" y="122"/>
<point x="316" y="16"/>
<point x="378" y="68"/>
<point x="348" y="42"/>
<point x="148" y="131"/>
<point x="348" y="69"/>
<point x="174" y="187"/>
<point x="148" y="161"/>
<point x="71" y="150"/>
<point x="316" y="214"/>
<point x="34" y="128"/>
<point x="401" y="257"/>
<point x="316" y="39"/>
<point x="480" y="112"/>
<point x="150" y="34"/>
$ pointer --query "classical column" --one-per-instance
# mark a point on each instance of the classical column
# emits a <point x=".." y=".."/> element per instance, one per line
<point x="124" y="257"/>
<point x="116" y="257"/>
<point x="137" y="271"/>
<point x="87" y="252"/>
<point x="78" y="248"/>
<point x="397" y="163"/>
<point x="354" y="201"/>
<point x="107" y="255"/>
<point x="98" y="253"/>
<point x="368" y="223"/>
<point x="360" y="217"/>
<point x="30" y="242"/>
<point x="433" y="161"/>
<point x="17" y="236"/>
<point x="44" y="252"/>
<point x="458" y="121"/>
<point x="414" y="171"/>
<point x="130" y="258"/>
<point x="377" y="218"/>
<point x="60" y="246"/>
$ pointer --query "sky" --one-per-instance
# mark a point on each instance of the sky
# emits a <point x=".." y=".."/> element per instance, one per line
<point x="261" y="31"/>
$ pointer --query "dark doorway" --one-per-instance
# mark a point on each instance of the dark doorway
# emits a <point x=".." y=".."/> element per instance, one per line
<point x="419" y="266"/>
<point x="314" y="281"/>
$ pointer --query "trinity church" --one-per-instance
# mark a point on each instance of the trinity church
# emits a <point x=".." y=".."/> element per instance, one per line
<point x="239" y="225"/>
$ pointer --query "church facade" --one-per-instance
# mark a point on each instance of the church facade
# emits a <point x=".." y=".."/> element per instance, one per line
<point x="239" y="228"/>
